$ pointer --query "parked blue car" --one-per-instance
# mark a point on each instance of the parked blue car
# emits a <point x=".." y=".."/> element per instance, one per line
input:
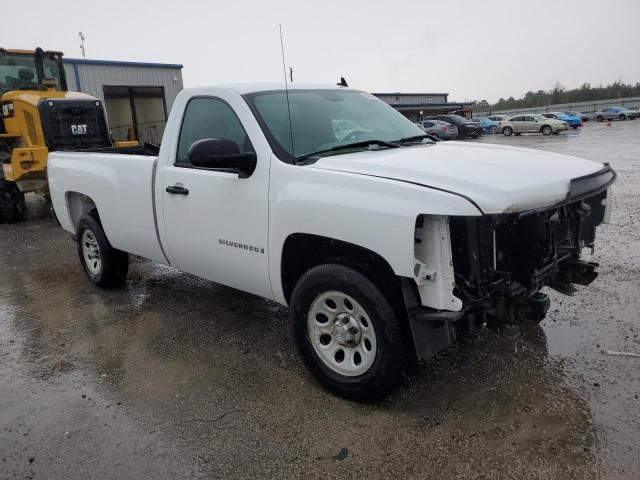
<point x="572" y="120"/>
<point x="488" y="126"/>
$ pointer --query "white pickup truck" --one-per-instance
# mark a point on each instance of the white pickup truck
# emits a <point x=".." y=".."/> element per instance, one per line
<point x="382" y="242"/>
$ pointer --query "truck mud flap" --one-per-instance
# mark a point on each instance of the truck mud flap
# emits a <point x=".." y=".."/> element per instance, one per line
<point x="432" y="330"/>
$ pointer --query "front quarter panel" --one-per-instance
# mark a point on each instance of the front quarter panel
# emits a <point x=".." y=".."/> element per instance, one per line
<point x="375" y="213"/>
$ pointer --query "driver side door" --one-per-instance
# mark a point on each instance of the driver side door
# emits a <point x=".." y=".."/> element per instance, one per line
<point x="215" y="223"/>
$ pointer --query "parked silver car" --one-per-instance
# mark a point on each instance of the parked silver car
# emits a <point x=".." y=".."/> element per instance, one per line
<point x="532" y="123"/>
<point x="439" y="129"/>
<point x="616" y="113"/>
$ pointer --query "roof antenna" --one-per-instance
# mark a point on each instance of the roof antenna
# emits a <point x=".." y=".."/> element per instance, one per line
<point x="286" y="88"/>
<point x="342" y="82"/>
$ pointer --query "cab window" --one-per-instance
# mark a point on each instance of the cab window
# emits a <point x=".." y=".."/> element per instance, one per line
<point x="210" y="118"/>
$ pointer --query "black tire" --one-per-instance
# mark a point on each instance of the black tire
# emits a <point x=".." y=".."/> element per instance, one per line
<point x="493" y="129"/>
<point x="112" y="270"/>
<point x="388" y="367"/>
<point x="599" y="118"/>
<point x="622" y="117"/>
<point x="12" y="205"/>
<point x="507" y="131"/>
<point x="546" y="130"/>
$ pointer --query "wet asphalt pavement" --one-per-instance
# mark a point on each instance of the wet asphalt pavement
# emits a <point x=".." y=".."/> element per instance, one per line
<point x="176" y="377"/>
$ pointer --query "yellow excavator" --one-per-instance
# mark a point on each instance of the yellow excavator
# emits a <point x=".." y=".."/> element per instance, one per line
<point x="40" y="115"/>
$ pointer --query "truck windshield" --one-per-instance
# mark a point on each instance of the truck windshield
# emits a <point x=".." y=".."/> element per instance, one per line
<point x="18" y="72"/>
<point x="324" y="119"/>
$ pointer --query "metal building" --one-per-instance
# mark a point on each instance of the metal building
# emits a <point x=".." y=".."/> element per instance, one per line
<point x="415" y="106"/>
<point x="137" y="95"/>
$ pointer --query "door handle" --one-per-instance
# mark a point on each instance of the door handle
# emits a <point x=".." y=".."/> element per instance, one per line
<point x="177" y="190"/>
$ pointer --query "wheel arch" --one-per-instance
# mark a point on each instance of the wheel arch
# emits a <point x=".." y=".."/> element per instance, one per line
<point x="78" y="204"/>
<point x="303" y="251"/>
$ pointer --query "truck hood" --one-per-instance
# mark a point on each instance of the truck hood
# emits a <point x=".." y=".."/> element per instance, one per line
<point x="496" y="178"/>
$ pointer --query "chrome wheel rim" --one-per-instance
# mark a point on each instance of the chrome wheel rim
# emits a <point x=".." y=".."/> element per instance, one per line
<point x="91" y="252"/>
<point x="341" y="333"/>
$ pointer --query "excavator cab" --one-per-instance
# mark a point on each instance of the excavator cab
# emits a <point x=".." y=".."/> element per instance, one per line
<point x="40" y="115"/>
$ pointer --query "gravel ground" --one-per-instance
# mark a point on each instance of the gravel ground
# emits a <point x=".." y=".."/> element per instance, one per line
<point x="175" y="377"/>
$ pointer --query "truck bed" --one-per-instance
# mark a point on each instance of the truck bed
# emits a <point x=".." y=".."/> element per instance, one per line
<point x="121" y="185"/>
<point x="146" y="149"/>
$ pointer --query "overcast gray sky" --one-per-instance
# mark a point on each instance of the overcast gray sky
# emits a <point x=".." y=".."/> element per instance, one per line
<point x="472" y="49"/>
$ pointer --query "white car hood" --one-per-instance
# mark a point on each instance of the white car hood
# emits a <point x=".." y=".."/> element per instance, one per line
<point x="497" y="178"/>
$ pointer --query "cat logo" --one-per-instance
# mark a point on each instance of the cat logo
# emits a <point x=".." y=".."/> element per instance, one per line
<point x="79" y="129"/>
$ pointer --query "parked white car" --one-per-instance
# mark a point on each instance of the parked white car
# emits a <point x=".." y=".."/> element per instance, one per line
<point x="380" y="242"/>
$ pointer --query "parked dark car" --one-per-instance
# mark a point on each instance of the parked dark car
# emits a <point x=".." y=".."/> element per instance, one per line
<point x="439" y="129"/>
<point x="465" y="127"/>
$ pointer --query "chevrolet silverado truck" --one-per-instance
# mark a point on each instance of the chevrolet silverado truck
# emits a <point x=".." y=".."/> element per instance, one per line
<point x="383" y="243"/>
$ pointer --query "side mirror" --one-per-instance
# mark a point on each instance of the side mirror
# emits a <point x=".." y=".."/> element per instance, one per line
<point x="222" y="155"/>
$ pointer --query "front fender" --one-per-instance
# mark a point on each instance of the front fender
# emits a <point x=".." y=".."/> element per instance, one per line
<point x="378" y="214"/>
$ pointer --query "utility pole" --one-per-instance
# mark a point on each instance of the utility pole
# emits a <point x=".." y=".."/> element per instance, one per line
<point x="80" y="34"/>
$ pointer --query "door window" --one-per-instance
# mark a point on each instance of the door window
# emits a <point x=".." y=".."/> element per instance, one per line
<point x="210" y="118"/>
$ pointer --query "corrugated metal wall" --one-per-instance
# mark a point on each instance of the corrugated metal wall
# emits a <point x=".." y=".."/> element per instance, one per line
<point x="93" y="77"/>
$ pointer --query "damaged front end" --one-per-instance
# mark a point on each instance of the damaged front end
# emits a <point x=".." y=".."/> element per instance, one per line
<point x="502" y="261"/>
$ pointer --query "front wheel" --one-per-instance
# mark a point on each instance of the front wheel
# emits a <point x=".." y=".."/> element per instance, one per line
<point x="622" y="117"/>
<point x="104" y="266"/>
<point x="507" y="131"/>
<point x="599" y="118"/>
<point x="12" y="204"/>
<point x="347" y="333"/>
<point x="546" y="130"/>
<point x="493" y="129"/>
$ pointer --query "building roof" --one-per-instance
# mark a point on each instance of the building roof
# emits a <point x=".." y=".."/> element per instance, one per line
<point x="119" y="63"/>
<point x="426" y="106"/>
<point x="401" y="94"/>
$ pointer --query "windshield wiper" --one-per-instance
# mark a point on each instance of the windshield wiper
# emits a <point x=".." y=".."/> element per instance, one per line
<point x="349" y="146"/>
<point x="417" y="137"/>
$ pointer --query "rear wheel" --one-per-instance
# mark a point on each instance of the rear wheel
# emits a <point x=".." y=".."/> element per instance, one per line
<point x="546" y="130"/>
<point x="507" y="131"/>
<point x="599" y="118"/>
<point x="622" y="117"/>
<point x="104" y="265"/>
<point x="12" y="204"/>
<point x="347" y="333"/>
<point x="493" y="129"/>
